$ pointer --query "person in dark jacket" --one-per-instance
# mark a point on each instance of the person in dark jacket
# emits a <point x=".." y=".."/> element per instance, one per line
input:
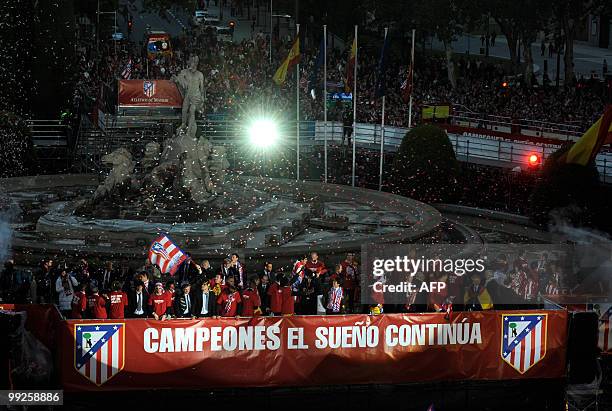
<point x="207" y="270"/>
<point x="138" y="301"/>
<point x="308" y="297"/>
<point x="7" y="281"/>
<point x="106" y="277"/>
<point x="183" y="303"/>
<point x="204" y="302"/>
<point x="262" y="289"/>
<point x="188" y="271"/>
<point x="44" y="280"/>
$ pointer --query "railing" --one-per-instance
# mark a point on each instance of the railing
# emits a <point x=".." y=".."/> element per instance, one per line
<point x="490" y="140"/>
<point x="508" y="125"/>
<point x="52" y="143"/>
<point x="49" y="133"/>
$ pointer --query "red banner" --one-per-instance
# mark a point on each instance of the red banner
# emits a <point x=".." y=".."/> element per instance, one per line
<point x="149" y="93"/>
<point x="314" y="350"/>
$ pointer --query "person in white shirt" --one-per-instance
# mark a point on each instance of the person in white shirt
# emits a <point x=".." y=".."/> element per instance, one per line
<point x="64" y="286"/>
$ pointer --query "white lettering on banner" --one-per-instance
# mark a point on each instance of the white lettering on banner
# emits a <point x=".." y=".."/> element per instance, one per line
<point x="149" y="346"/>
<point x="347" y="337"/>
<point x="249" y="338"/>
<point x="511" y="140"/>
<point x="433" y="334"/>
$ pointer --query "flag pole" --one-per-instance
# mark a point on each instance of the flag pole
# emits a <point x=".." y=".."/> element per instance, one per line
<point x="354" y="108"/>
<point x="411" y="80"/>
<point x="325" y="99"/>
<point x="382" y="122"/>
<point x="270" y="45"/>
<point x="297" y="103"/>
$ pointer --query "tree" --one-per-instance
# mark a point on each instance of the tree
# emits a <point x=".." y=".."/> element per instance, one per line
<point x="504" y="12"/>
<point x="425" y="167"/>
<point x="446" y="19"/>
<point x="569" y="16"/>
<point x="531" y="17"/>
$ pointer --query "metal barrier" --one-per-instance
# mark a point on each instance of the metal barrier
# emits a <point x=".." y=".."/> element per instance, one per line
<point x="474" y="147"/>
<point x="49" y="133"/>
<point x="52" y="143"/>
<point x="525" y="127"/>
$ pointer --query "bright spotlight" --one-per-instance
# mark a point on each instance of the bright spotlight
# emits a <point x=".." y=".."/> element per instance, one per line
<point x="534" y="160"/>
<point x="263" y="133"/>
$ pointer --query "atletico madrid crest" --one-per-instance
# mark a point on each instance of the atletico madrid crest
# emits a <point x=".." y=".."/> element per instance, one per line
<point x="523" y="340"/>
<point x="148" y="87"/>
<point x="99" y="350"/>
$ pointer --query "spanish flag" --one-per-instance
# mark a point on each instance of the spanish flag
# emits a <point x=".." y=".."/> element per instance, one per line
<point x="586" y="148"/>
<point x="350" y="67"/>
<point x="292" y="59"/>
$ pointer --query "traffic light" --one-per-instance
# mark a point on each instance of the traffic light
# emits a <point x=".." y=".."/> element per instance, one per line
<point x="533" y="160"/>
<point x="130" y="24"/>
<point x="232" y="26"/>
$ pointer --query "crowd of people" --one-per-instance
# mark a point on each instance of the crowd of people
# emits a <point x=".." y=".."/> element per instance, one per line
<point x="238" y="74"/>
<point x="308" y="287"/>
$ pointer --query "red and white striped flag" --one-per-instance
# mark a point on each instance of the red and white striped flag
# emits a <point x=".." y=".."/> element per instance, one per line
<point x="406" y="87"/>
<point x="166" y="255"/>
<point x="605" y="329"/>
<point x="127" y="71"/>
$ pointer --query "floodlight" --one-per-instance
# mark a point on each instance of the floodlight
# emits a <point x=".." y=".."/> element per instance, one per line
<point x="263" y="133"/>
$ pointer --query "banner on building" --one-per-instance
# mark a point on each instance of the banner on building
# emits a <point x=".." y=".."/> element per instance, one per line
<point x="317" y="350"/>
<point x="149" y="93"/>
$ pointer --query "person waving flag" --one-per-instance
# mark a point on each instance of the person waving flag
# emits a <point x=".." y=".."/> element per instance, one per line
<point x="166" y="255"/>
<point x="127" y="71"/>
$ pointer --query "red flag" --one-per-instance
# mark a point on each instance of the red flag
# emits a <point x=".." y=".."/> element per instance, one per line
<point x="350" y="68"/>
<point x="406" y="88"/>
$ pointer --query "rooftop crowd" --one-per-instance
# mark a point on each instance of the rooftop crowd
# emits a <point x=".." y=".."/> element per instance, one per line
<point x="309" y="287"/>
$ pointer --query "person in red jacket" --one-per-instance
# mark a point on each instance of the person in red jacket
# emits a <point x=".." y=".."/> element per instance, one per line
<point x="299" y="268"/>
<point x="250" y="300"/>
<point x="287" y="299"/>
<point x="97" y="305"/>
<point x="118" y="301"/>
<point x="349" y="279"/>
<point x="170" y="295"/>
<point x="158" y="301"/>
<point x="275" y="294"/>
<point x="314" y="265"/>
<point x="228" y="302"/>
<point x="79" y="302"/>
